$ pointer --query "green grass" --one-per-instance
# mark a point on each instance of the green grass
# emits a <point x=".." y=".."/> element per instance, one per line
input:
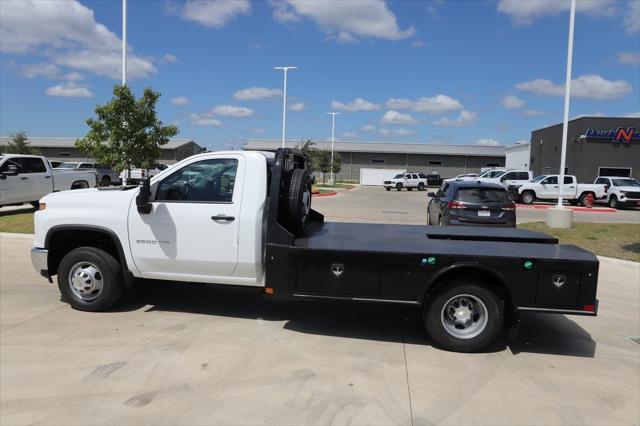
<point x="620" y="240"/>
<point x="20" y="223"/>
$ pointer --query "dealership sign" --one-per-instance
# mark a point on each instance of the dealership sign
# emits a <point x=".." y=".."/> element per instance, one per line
<point x="615" y="135"/>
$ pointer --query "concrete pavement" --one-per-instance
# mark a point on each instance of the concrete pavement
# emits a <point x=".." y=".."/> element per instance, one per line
<point x="187" y="354"/>
<point x="374" y="204"/>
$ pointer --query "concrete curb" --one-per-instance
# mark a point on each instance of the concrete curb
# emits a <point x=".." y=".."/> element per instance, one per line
<point x="325" y="194"/>
<point x="620" y="262"/>
<point x="16" y="235"/>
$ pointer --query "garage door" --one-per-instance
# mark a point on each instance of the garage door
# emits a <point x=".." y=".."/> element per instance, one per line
<point x="377" y="176"/>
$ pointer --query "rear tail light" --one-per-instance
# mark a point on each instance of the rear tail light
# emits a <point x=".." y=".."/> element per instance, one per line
<point x="589" y="308"/>
<point x="509" y="207"/>
<point x="457" y="205"/>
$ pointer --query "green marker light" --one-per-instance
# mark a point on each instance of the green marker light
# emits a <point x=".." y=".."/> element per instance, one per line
<point x="528" y="265"/>
<point x="431" y="260"/>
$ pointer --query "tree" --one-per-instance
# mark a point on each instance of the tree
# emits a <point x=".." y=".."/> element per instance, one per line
<point x="126" y="132"/>
<point x="19" y="144"/>
<point x="311" y="152"/>
<point x="337" y="163"/>
<point x="324" y="163"/>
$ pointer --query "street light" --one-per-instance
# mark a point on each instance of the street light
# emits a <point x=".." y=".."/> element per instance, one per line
<point x="284" y="99"/>
<point x="124" y="42"/>
<point x="333" y="129"/>
<point x="559" y="217"/>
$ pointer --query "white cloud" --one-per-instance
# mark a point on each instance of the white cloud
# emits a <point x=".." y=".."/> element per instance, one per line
<point x="350" y="135"/>
<point x="487" y="142"/>
<point x="67" y="32"/>
<point x="205" y="120"/>
<point x="256" y="93"/>
<point x="512" y="102"/>
<point x="588" y="86"/>
<point x="466" y="118"/>
<point x="524" y="12"/>
<point x="533" y="113"/>
<point x="395" y="117"/>
<point x="297" y="106"/>
<point x="418" y="44"/>
<point x="345" y="20"/>
<point x="632" y="17"/>
<point x="438" y="104"/>
<point x="633" y="114"/>
<point x="631" y="58"/>
<point x="50" y="71"/>
<point x="400" y="131"/>
<point x="368" y="128"/>
<point x="357" y="104"/>
<point x="232" y="111"/>
<point x="215" y="14"/>
<point x="169" y="59"/>
<point x="180" y="101"/>
<point x="73" y="76"/>
<point x="69" y="90"/>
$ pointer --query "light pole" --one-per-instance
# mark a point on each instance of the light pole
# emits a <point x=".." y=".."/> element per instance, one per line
<point x="333" y="130"/>
<point x="559" y="217"/>
<point x="284" y="99"/>
<point x="124" y="42"/>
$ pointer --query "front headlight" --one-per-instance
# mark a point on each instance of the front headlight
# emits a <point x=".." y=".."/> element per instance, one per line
<point x="623" y="194"/>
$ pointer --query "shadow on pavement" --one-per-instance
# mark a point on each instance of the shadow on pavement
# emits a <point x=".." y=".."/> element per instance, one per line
<point x="16" y="210"/>
<point x="549" y="334"/>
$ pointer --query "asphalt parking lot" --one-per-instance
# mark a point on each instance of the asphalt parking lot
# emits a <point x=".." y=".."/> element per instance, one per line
<point x="191" y="354"/>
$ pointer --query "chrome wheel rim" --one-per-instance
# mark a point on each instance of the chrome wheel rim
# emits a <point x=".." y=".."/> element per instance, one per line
<point x="306" y="203"/>
<point x="85" y="281"/>
<point x="464" y="316"/>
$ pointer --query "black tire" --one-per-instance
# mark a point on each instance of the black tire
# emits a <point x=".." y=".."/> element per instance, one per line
<point x="528" y="197"/>
<point x="409" y="188"/>
<point x="573" y="202"/>
<point x="435" y="316"/>
<point x="583" y="199"/>
<point x="297" y="202"/>
<point x="613" y="202"/>
<point x="398" y="186"/>
<point x="81" y="184"/>
<point x="109" y="271"/>
<point x="421" y="186"/>
<point x="105" y="181"/>
<point x="428" y="217"/>
<point x="35" y="204"/>
<point x="388" y="188"/>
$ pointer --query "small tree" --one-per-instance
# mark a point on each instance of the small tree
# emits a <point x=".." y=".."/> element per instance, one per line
<point x="126" y="132"/>
<point x="337" y="163"/>
<point x="311" y="152"/>
<point x="19" y="144"/>
<point x="324" y="163"/>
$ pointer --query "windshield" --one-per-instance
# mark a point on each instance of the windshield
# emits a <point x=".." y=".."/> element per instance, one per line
<point x="68" y="166"/>
<point x="625" y="182"/>
<point x="493" y="173"/>
<point x="482" y="195"/>
<point x="539" y="178"/>
<point x="400" y="176"/>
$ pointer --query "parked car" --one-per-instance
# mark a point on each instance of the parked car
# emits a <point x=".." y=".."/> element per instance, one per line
<point x="464" y="176"/>
<point x="408" y="180"/>
<point x="106" y="175"/>
<point x="546" y="188"/>
<point x="261" y="232"/>
<point x="434" y="179"/>
<point x="27" y="178"/>
<point x="508" y="177"/>
<point x="55" y="164"/>
<point x="471" y="203"/>
<point x="620" y="192"/>
<point x="138" y="174"/>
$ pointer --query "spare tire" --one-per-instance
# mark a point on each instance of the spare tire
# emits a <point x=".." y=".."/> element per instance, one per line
<point x="297" y="200"/>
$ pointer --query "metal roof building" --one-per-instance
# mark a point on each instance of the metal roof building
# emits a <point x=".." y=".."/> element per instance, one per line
<point x="448" y="160"/>
<point x="63" y="149"/>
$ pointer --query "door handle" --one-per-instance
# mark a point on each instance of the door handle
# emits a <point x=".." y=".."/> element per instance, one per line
<point x="24" y="178"/>
<point x="47" y="177"/>
<point x="223" y="218"/>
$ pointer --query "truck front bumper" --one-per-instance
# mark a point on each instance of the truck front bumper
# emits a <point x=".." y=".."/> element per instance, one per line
<point x="39" y="260"/>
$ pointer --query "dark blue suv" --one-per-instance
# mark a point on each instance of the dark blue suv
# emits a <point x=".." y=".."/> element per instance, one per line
<point x="471" y="203"/>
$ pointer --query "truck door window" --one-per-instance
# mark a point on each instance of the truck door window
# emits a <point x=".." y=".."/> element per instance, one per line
<point x="407" y="176"/>
<point x="414" y="176"/>
<point x="207" y="181"/>
<point x="33" y="165"/>
<point x="13" y="162"/>
<point x="552" y="180"/>
<point x="568" y="180"/>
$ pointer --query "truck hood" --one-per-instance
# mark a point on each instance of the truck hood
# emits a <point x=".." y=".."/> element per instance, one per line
<point x="628" y="188"/>
<point x="91" y="198"/>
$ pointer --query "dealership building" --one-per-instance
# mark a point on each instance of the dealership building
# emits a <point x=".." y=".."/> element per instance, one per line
<point x="370" y="163"/>
<point x="596" y="146"/>
<point x="64" y="149"/>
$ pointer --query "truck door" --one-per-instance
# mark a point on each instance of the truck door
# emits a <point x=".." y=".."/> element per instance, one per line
<point x="38" y="176"/>
<point x="13" y="188"/>
<point x="192" y="230"/>
<point x="570" y="187"/>
<point x="549" y="188"/>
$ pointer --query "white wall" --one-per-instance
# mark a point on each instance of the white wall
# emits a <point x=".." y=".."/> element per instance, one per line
<point x="518" y="156"/>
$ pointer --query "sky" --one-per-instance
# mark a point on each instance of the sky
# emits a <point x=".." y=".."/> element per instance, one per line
<point x="456" y="72"/>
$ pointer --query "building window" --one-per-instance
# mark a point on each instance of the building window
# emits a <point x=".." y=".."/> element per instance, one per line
<point x="493" y="164"/>
<point x="614" y="171"/>
<point x="435" y="163"/>
<point x="63" y="154"/>
<point x="377" y="161"/>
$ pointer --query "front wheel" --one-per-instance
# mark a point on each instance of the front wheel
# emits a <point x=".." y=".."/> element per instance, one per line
<point x="528" y="197"/>
<point x="398" y="187"/>
<point x="421" y="186"/>
<point x="90" y="279"/>
<point x="613" y="202"/>
<point x="463" y="317"/>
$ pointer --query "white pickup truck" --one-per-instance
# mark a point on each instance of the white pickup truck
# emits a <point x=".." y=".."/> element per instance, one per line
<point x="507" y="177"/>
<point x="408" y="180"/>
<point x="28" y="178"/>
<point x="244" y="218"/>
<point x="621" y="191"/>
<point x="546" y="187"/>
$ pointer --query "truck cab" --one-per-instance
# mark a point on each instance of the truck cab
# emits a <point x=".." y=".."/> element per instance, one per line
<point x="408" y="180"/>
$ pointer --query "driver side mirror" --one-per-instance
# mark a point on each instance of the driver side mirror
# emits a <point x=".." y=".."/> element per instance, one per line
<point x="143" y="199"/>
<point x="12" y="170"/>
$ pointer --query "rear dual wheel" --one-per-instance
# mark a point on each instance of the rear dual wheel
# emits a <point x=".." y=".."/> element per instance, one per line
<point x="463" y="316"/>
<point x="296" y="204"/>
